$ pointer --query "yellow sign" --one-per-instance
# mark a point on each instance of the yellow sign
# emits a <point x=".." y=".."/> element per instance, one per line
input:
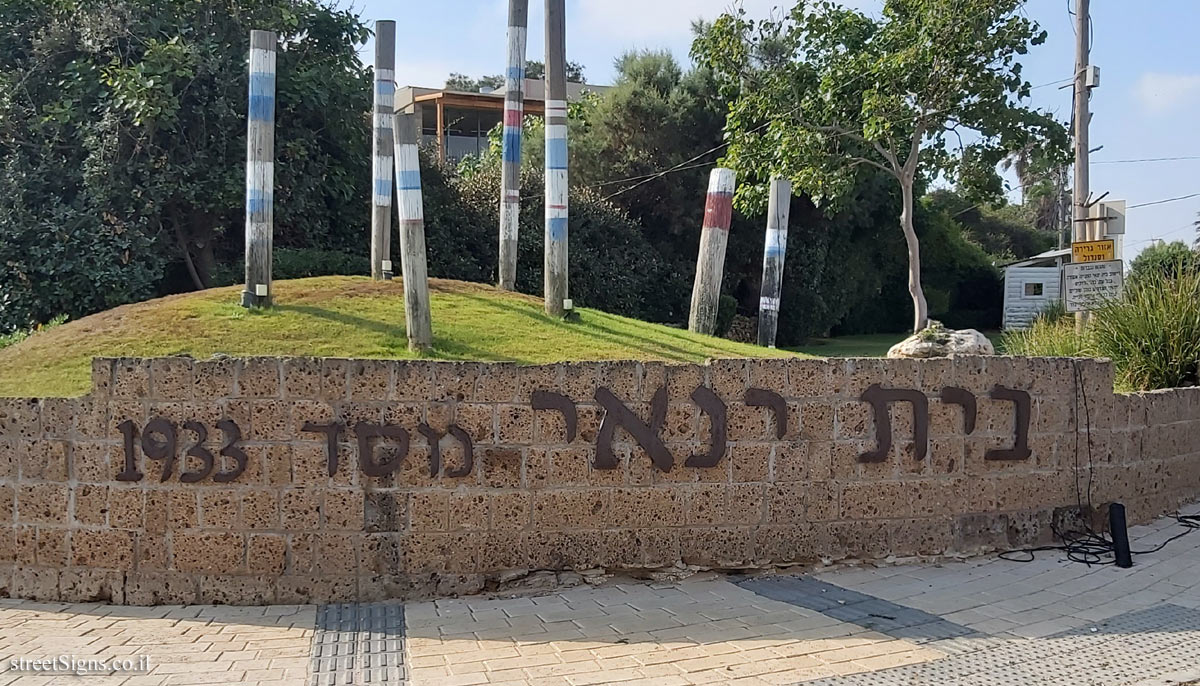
<point x="1092" y="251"/>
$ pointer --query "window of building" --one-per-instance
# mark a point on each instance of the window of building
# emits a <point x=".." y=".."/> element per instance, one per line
<point x="1033" y="290"/>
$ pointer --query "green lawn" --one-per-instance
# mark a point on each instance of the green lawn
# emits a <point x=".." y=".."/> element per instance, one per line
<point x="868" y="345"/>
<point x="342" y="317"/>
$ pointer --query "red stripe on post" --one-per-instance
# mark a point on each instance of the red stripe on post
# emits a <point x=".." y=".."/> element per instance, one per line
<point x="718" y="211"/>
<point x="512" y="117"/>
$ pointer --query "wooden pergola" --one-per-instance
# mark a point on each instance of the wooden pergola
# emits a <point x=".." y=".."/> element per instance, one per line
<point x="473" y="101"/>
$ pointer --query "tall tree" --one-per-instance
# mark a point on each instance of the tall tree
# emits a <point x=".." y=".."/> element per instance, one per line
<point x="125" y="121"/>
<point x="826" y="89"/>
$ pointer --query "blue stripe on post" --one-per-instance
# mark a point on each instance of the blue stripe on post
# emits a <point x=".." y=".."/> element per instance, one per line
<point x="408" y="180"/>
<point x="512" y="145"/>
<point x="262" y="83"/>
<point x="383" y="187"/>
<point x="558" y="228"/>
<point x="516" y="73"/>
<point x="262" y="108"/>
<point x="774" y="250"/>
<point x="258" y="204"/>
<point x="556" y="153"/>
<point x="385" y="88"/>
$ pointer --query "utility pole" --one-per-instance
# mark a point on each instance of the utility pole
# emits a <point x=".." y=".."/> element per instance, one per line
<point x="555" y="275"/>
<point x="383" y="145"/>
<point x="510" y="169"/>
<point x="1079" y="224"/>
<point x="774" y="251"/>
<point x="260" y="170"/>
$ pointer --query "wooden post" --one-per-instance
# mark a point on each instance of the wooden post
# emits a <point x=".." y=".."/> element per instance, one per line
<point x="441" y="132"/>
<point x="260" y="170"/>
<point x="383" y="145"/>
<point x="718" y="213"/>
<point x="773" y="255"/>
<point x="510" y="171"/>
<point x="417" y="320"/>
<point x="555" y="286"/>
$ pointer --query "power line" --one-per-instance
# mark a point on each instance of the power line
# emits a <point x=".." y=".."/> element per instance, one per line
<point x="1162" y="202"/>
<point x="1149" y="159"/>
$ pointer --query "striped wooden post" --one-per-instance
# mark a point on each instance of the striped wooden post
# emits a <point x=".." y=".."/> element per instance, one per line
<point x="718" y="213"/>
<point x="383" y="145"/>
<point x="779" y="206"/>
<point x="260" y="170"/>
<point x="555" y="286"/>
<point x="412" y="233"/>
<point x="510" y="172"/>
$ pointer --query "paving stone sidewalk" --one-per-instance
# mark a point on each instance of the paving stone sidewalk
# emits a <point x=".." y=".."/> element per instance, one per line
<point x="986" y="621"/>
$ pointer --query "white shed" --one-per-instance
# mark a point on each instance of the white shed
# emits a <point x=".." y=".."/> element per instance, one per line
<point x="1031" y="285"/>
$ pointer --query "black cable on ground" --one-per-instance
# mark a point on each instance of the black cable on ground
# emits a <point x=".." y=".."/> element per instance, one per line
<point x="1088" y="546"/>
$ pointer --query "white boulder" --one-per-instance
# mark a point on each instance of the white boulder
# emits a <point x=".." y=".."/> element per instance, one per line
<point x="938" y="341"/>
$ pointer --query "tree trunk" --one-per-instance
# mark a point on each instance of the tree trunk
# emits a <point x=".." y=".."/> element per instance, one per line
<point x="187" y="258"/>
<point x="920" y="307"/>
<point x="206" y="260"/>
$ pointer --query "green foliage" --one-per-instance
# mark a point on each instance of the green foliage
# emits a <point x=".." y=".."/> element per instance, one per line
<point x="127" y="136"/>
<point x="291" y="263"/>
<point x="1047" y="338"/>
<point x="19" y="335"/>
<point x="533" y="70"/>
<point x="726" y="309"/>
<point x="612" y="266"/>
<point x="60" y="258"/>
<point x="1006" y="233"/>
<point x="1152" y="332"/>
<point x="824" y="92"/>
<point x="1167" y="259"/>
<point x="1055" y="311"/>
<point x="819" y="92"/>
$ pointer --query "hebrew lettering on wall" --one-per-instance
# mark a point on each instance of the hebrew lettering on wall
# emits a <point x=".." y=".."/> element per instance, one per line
<point x="880" y="400"/>
<point x="180" y="447"/>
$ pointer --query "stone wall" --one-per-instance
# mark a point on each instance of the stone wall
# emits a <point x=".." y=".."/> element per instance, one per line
<point x="303" y="480"/>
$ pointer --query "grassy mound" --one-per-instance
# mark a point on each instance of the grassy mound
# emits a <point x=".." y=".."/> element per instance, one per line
<point x="342" y="317"/>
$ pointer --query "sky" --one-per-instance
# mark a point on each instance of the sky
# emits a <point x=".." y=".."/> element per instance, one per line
<point x="1146" y="105"/>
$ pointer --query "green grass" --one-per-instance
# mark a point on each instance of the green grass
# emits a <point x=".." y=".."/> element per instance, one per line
<point x="342" y="317"/>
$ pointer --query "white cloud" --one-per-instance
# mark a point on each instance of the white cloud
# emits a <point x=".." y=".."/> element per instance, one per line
<point x="642" y="20"/>
<point x="1162" y="93"/>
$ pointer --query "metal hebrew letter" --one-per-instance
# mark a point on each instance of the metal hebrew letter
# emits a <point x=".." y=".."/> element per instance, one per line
<point x="366" y="432"/>
<point x="647" y="435"/>
<point x="757" y="397"/>
<point x="435" y="450"/>
<point x="961" y="396"/>
<point x="879" y="398"/>
<point x="549" y="400"/>
<point x="332" y="433"/>
<point x="1021" y="402"/>
<point x="711" y="405"/>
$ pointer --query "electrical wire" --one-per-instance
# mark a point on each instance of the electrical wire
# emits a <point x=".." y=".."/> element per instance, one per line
<point x="1163" y="202"/>
<point x="1088" y="546"/>
<point x="1149" y="159"/>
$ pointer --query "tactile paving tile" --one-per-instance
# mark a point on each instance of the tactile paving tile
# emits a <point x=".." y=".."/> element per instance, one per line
<point x="358" y="643"/>
<point x="1125" y="649"/>
<point x="869" y="612"/>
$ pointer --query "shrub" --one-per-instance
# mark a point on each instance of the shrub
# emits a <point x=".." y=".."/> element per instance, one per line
<point x="1048" y="337"/>
<point x="1152" y="332"/>
<point x="1164" y="258"/>
<point x="70" y="261"/>
<point x="19" y="335"/>
<point x="300" y="264"/>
